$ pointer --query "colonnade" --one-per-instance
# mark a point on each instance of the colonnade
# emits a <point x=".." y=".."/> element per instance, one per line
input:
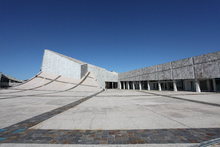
<point x="130" y="85"/>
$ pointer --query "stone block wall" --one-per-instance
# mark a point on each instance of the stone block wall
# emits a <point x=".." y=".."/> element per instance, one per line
<point x="200" y="67"/>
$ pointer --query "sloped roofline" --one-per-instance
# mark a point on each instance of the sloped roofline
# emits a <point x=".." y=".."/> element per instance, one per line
<point x="78" y="61"/>
<point x="70" y="58"/>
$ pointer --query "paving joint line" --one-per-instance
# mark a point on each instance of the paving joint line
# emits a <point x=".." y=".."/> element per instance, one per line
<point x="174" y="97"/>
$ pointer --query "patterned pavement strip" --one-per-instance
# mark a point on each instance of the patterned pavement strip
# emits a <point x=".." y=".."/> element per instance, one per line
<point x="150" y="136"/>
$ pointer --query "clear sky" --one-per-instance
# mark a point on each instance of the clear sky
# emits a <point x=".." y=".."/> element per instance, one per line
<point x="119" y="35"/>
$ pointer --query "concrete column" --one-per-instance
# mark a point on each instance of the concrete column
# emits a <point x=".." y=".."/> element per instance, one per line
<point x="133" y="85"/>
<point x="214" y="85"/>
<point x="112" y="85"/>
<point x="140" y="86"/>
<point x="174" y="86"/>
<point x="197" y="86"/>
<point x="148" y="85"/>
<point x="159" y="86"/>
<point x="124" y="85"/>
<point x="119" y="85"/>
<point x="208" y="85"/>
<point x="128" y="85"/>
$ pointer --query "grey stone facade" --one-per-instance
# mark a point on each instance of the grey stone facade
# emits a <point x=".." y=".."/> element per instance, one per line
<point x="199" y="67"/>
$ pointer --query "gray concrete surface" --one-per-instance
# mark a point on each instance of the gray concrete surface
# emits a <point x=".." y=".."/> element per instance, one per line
<point x="18" y="105"/>
<point x="18" y="109"/>
<point x="115" y="110"/>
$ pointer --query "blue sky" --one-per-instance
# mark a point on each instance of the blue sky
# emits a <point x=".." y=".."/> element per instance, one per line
<point x="119" y="35"/>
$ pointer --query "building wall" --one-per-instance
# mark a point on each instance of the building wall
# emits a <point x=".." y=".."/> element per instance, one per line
<point x="8" y="81"/>
<point x="60" y="65"/>
<point x="199" y="67"/>
<point x="84" y="70"/>
<point x="102" y="75"/>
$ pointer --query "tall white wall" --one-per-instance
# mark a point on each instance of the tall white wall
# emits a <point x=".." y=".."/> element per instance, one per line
<point x="61" y="65"/>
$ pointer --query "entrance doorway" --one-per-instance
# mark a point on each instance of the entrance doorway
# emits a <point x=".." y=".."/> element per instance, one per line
<point x="111" y="85"/>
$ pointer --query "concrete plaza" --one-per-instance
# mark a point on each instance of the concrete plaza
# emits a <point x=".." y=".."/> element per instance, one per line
<point x="112" y="117"/>
<point x="125" y="110"/>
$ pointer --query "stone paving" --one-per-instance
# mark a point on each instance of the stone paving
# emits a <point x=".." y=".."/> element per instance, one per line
<point x="136" y="110"/>
<point x="155" y="136"/>
<point x="27" y="132"/>
<point x="96" y="145"/>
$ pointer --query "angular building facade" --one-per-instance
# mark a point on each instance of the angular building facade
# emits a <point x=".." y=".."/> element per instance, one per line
<point x="199" y="73"/>
<point x="59" y="64"/>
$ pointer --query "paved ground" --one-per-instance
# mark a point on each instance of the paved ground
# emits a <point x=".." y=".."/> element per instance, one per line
<point x="112" y="117"/>
<point x="101" y="145"/>
<point x="116" y="110"/>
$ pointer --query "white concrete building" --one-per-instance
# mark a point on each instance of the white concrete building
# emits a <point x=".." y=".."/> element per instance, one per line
<point x="59" y="64"/>
<point x="199" y="73"/>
